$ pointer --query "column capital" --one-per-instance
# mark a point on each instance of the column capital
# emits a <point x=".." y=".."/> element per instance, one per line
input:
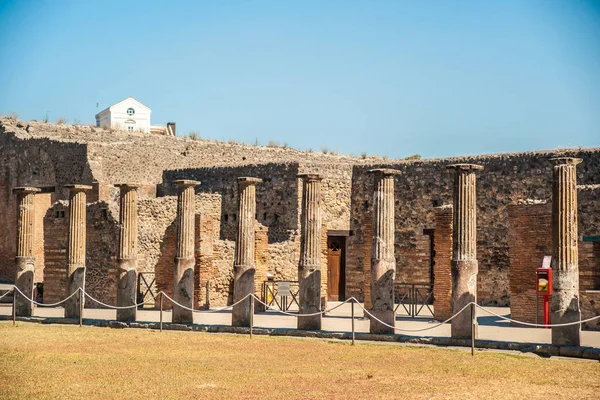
<point x="310" y="177"/>
<point x="248" y="180"/>
<point x="26" y="190"/>
<point x="557" y="161"/>
<point x="465" y="167"/>
<point x="78" y="187"/>
<point x="384" y="171"/>
<point x="185" y="183"/>
<point x="127" y="185"/>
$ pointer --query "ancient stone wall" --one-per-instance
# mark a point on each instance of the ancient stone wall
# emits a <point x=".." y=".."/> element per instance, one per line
<point x="425" y="183"/>
<point x="33" y="162"/>
<point x="102" y="234"/>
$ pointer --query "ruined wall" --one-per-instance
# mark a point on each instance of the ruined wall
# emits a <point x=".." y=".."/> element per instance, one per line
<point x="423" y="183"/>
<point x="102" y="234"/>
<point x="34" y="162"/>
<point x="529" y="240"/>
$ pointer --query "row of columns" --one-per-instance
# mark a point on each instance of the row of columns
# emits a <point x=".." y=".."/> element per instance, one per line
<point x="565" y="303"/>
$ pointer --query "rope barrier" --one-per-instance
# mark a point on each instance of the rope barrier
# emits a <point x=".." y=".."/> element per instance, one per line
<point x="207" y="311"/>
<point x="7" y="292"/>
<point x="415" y="330"/>
<point x="537" y="325"/>
<point x="44" y="304"/>
<point x="301" y="315"/>
<point x="297" y="315"/>
<point x="112" y="307"/>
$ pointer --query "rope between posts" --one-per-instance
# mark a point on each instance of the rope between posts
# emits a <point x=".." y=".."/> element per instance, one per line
<point x="7" y="292"/>
<point x="302" y="315"/>
<point x="415" y="330"/>
<point x="537" y="325"/>
<point x="207" y="311"/>
<point x="113" y="307"/>
<point x="43" y="304"/>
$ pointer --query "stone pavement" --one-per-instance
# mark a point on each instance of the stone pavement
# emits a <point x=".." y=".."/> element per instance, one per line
<point x="490" y="327"/>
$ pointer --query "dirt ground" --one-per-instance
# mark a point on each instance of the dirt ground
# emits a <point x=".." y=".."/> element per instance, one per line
<point x="62" y="362"/>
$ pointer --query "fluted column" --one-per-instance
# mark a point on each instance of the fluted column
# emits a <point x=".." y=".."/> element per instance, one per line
<point x="25" y="260"/>
<point x="464" y="247"/>
<point x="127" y="257"/>
<point x="76" y="247"/>
<point x="383" y="259"/>
<point x="565" y="263"/>
<point x="309" y="265"/>
<point x="244" y="264"/>
<point x="184" y="255"/>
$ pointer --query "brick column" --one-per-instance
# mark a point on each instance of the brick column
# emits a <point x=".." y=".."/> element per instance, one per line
<point x="383" y="259"/>
<point x="76" y="247"/>
<point x="442" y="261"/>
<point x="127" y="257"/>
<point x="464" y="247"/>
<point x="25" y="260"/>
<point x="244" y="266"/>
<point x="565" y="268"/>
<point x="184" y="251"/>
<point x="309" y="265"/>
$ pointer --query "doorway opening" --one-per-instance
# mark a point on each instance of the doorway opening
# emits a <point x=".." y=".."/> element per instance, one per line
<point x="336" y="268"/>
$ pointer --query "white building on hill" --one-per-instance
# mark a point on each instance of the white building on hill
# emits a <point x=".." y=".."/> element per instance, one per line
<point x="133" y="116"/>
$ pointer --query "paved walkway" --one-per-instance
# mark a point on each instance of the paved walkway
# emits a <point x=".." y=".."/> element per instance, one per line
<point x="339" y="320"/>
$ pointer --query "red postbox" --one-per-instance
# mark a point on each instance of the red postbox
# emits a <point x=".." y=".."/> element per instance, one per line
<point x="543" y="286"/>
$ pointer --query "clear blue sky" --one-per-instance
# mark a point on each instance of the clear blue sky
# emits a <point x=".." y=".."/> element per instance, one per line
<point x="391" y="78"/>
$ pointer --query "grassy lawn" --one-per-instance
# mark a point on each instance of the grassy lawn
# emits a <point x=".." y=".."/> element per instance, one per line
<point x="60" y="362"/>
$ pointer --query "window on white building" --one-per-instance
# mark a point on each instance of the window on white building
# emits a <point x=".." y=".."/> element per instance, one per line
<point x="130" y="111"/>
<point x="130" y="128"/>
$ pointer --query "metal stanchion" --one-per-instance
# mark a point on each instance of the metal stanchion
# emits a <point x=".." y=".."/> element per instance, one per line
<point x="161" y="310"/>
<point x="251" y="315"/>
<point x="81" y="297"/>
<point x="473" y="321"/>
<point x="352" y="303"/>
<point x="14" y="310"/>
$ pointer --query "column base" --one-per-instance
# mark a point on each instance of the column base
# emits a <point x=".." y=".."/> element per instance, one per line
<point x="76" y="281"/>
<point x="127" y="290"/>
<point x="309" y="298"/>
<point x="184" y="291"/>
<point x="464" y="291"/>
<point x="382" y="296"/>
<point x="565" y="335"/>
<point x="243" y="284"/>
<point x="24" y="281"/>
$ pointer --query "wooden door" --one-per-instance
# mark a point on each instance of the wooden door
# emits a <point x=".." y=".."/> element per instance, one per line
<point x="336" y="249"/>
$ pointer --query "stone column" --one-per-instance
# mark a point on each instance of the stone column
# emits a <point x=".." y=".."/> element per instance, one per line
<point x="464" y="247"/>
<point x="127" y="257"/>
<point x="244" y="264"/>
<point x="184" y="253"/>
<point x="383" y="259"/>
<point x="25" y="260"/>
<point x="76" y="247"/>
<point x="309" y="266"/>
<point x="565" y="268"/>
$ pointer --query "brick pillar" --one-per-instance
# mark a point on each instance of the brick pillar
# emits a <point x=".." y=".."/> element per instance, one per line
<point x="127" y="258"/>
<point x="442" y="270"/>
<point x="309" y="265"/>
<point x="464" y="247"/>
<point x="565" y="268"/>
<point x="25" y="259"/>
<point x="184" y="251"/>
<point x="383" y="259"/>
<point x="261" y="258"/>
<point x="204" y="260"/>
<point x="244" y="263"/>
<point x="529" y="240"/>
<point x="76" y="247"/>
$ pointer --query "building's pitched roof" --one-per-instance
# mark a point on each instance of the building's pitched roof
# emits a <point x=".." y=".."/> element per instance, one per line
<point x="122" y="101"/>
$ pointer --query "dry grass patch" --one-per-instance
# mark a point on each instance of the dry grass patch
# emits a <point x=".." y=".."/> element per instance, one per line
<point x="57" y="362"/>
